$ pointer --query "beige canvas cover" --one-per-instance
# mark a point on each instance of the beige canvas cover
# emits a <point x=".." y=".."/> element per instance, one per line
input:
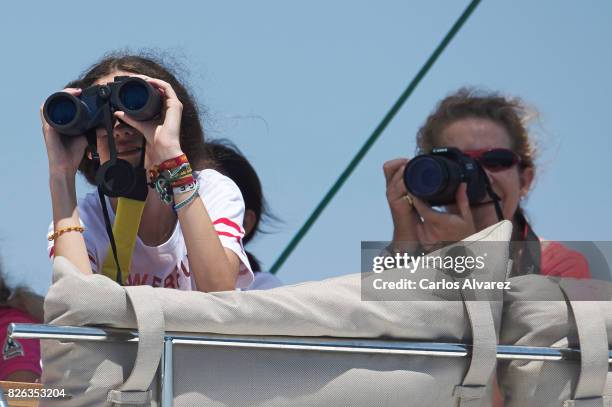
<point x="554" y="312"/>
<point x="94" y="372"/>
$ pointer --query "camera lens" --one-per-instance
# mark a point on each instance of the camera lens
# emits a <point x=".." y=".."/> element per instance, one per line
<point x="116" y="178"/>
<point x="435" y="177"/>
<point x="133" y="95"/>
<point x="136" y="97"/>
<point x="425" y="176"/>
<point x="61" y="110"/>
<point x="66" y="113"/>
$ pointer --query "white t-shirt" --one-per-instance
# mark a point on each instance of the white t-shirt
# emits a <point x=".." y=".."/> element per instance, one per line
<point x="167" y="265"/>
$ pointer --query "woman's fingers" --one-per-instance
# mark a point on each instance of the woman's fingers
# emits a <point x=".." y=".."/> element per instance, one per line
<point x="174" y="107"/>
<point x="396" y="185"/>
<point x="463" y="203"/>
<point x="164" y="86"/>
<point x="390" y="168"/>
<point x="73" y="91"/>
<point x="141" y="126"/>
<point x="429" y="215"/>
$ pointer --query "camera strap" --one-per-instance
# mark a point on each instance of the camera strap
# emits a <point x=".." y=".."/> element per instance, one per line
<point x="494" y="197"/>
<point x="126" y="225"/>
<point x="95" y="157"/>
<point x="526" y="248"/>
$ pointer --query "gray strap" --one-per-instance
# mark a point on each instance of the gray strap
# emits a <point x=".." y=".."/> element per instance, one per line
<point x="133" y="398"/>
<point x="593" y="351"/>
<point x="150" y="320"/>
<point x="484" y="355"/>
<point x="469" y="396"/>
<point x="594" y="402"/>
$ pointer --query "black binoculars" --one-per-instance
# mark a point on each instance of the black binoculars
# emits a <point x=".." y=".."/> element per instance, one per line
<point x="73" y="116"/>
<point x="435" y="177"/>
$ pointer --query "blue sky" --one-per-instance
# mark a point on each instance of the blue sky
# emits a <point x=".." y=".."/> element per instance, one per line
<point x="299" y="86"/>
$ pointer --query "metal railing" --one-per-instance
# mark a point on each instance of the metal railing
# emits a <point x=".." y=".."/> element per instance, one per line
<point x="350" y="345"/>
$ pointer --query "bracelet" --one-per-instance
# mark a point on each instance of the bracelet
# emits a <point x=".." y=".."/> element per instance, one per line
<point x="187" y="201"/>
<point x="181" y="189"/>
<point x="183" y="181"/>
<point x="170" y="178"/>
<point x="58" y="233"/>
<point x="162" y="186"/>
<point x="173" y="162"/>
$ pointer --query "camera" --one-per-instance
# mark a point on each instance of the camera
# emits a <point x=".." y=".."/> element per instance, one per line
<point x="435" y="177"/>
<point x="73" y="116"/>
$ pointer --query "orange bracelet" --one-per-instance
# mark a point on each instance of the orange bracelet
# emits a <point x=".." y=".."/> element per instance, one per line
<point x="58" y="233"/>
<point x="173" y="162"/>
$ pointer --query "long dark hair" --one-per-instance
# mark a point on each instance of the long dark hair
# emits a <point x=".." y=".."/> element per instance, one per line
<point x="192" y="133"/>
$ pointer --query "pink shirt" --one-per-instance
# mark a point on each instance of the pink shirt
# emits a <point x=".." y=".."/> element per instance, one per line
<point x="17" y="354"/>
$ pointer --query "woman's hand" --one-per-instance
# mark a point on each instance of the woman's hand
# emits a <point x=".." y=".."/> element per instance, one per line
<point x="418" y="222"/>
<point x="63" y="152"/>
<point x="162" y="135"/>
<point x="405" y="218"/>
<point x="439" y="227"/>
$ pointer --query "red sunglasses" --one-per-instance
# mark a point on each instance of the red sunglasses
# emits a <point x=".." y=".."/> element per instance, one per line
<point x="495" y="159"/>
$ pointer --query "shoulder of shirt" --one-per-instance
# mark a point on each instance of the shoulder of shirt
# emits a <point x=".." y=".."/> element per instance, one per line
<point x="213" y="181"/>
<point x="562" y="254"/>
<point x="550" y="246"/>
<point x="209" y="174"/>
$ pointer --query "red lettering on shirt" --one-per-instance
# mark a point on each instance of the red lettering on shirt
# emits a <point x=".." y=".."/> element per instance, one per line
<point x="137" y="279"/>
<point x="169" y="282"/>
<point x="185" y="271"/>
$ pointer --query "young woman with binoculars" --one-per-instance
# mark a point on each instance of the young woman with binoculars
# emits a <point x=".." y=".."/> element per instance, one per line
<point x="198" y="214"/>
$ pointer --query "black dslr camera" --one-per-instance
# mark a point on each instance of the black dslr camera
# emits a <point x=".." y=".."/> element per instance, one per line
<point x="435" y="177"/>
<point x="73" y="116"/>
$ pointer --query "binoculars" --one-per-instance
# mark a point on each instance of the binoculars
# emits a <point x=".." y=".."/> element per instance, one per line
<point x="435" y="177"/>
<point x="74" y="116"/>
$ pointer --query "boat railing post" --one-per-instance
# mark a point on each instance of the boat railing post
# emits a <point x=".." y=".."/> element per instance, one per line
<point x="3" y="402"/>
<point x="167" y="375"/>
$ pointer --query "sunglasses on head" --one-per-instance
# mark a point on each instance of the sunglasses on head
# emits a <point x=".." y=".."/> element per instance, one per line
<point x="494" y="159"/>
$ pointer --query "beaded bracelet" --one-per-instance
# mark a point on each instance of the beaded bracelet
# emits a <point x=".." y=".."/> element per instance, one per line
<point x="58" y="233"/>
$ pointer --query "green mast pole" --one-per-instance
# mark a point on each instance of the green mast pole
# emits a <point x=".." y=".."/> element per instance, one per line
<point x="373" y="137"/>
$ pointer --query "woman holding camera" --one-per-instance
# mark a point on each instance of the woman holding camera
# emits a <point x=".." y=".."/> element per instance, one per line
<point x="203" y="218"/>
<point x="491" y="130"/>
